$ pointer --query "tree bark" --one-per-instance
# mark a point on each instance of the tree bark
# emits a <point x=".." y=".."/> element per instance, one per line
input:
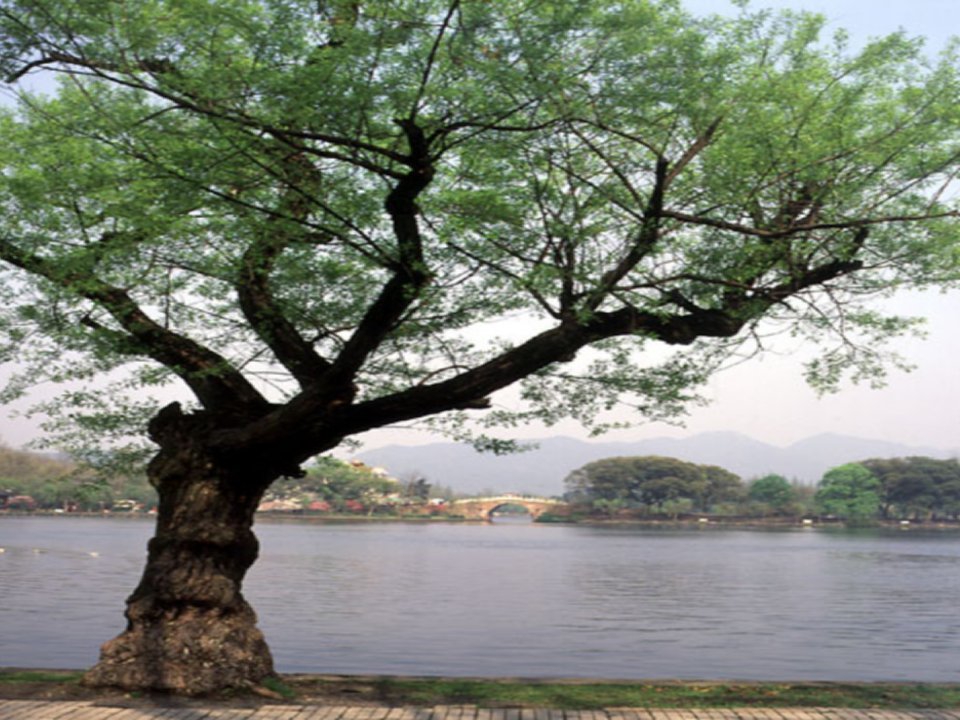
<point x="189" y="629"/>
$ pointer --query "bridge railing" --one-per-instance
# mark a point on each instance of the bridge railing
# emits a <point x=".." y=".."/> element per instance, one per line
<point x="511" y="497"/>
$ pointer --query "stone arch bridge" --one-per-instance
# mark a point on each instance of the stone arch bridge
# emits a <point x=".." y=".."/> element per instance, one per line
<point x="483" y="507"/>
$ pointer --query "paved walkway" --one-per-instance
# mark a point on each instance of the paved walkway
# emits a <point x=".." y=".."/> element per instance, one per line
<point x="39" y="710"/>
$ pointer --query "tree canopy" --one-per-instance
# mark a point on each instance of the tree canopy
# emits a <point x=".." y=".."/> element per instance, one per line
<point x="917" y="487"/>
<point x="336" y="483"/>
<point x="274" y="200"/>
<point x="652" y="482"/>
<point x="849" y="491"/>
<point x="774" y="492"/>
<point x="313" y="217"/>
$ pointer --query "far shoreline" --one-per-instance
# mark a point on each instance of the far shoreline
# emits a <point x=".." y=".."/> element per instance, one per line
<point x="701" y="522"/>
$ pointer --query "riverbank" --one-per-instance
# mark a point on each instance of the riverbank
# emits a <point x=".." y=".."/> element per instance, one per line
<point x="568" y="695"/>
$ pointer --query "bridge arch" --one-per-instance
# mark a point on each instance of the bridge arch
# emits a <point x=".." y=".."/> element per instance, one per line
<point x="482" y="508"/>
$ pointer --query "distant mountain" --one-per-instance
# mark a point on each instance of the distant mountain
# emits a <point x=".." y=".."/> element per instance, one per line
<point x="811" y="457"/>
<point x="542" y="471"/>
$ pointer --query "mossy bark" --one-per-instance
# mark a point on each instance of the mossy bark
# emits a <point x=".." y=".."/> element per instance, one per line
<point x="189" y="629"/>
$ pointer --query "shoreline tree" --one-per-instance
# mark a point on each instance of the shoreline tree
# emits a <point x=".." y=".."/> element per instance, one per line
<point x="850" y="492"/>
<point x="651" y="482"/>
<point x="773" y="493"/>
<point x="917" y="487"/>
<point x="310" y="214"/>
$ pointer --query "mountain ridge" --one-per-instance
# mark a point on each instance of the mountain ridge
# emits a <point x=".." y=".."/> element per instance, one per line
<point x="542" y="470"/>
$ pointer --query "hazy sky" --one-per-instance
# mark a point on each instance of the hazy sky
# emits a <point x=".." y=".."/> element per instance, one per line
<point x="767" y="398"/>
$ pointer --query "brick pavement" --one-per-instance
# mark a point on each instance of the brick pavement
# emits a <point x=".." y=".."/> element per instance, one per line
<point x="90" y="710"/>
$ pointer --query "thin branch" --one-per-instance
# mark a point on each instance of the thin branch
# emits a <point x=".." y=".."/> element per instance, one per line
<point x="125" y="77"/>
<point x="431" y="59"/>
<point x="496" y="267"/>
<point x="612" y="166"/>
<point x="789" y="232"/>
<point x="215" y="382"/>
<point x="698" y="146"/>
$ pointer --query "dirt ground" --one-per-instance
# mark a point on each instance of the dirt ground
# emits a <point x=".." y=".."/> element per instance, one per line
<point x="310" y="689"/>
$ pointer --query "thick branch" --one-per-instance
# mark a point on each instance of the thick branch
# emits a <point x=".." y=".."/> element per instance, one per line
<point x="215" y="382"/>
<point x="695" y="149"/>
<point x="646" y="239"/>
<point x="307" y="420"/>
<point x="255" y="296"/>
<point x="410" y="274"/>
<point x="266" y="317"/>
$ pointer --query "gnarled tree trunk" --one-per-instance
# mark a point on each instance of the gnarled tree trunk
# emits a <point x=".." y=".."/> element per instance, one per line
<point x="189" y="629"/>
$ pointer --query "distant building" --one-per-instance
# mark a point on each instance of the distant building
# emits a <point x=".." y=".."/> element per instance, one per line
<point x="278" y="506"/>
<point x="20" y="502"/>
<point x="378" y="471"/>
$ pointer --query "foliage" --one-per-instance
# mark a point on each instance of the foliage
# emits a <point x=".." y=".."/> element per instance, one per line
<point x="16" y="464"/>
<point x="258" y="198"/>
<point x="340" y="484"/>
<point x="774" y="493"/>
<point x="416" y="487"/>
<point x="907" y="488"/>
<point x="717" y="486"/>
<point x="282" y="689"/>
<point x="917" y="487"/>
<point x="58" y="483"/>
<point x="651" y="482"/>
<point x="849" y="491"/>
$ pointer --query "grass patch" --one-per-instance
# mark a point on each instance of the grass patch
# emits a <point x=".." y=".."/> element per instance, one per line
<point x="39" y="676"/>
<point x="564" y="695"/>
<point x="278" y="686"/>
<point x="593" y="695"/>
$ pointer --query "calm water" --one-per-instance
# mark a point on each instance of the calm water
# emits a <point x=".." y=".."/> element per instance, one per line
<point x="526" y="600"/>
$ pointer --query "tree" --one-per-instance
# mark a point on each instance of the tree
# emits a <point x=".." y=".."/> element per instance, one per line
<point x="917" y="486"/>
<point x="609" y="479"/>
<point x="338" y="483"/>
<point x="295" y="211"/>
<point x="774" y="493"/>
<point x="849" y="491"/>
<point x="949" y="494"/>
<point x="719" y="485"/>
<point x="415" y="486"/>
<point x="58" y="483"/>
<point x="650" y="481"/>
<point x="659" y="480"/>
<point x="342" y="482"/>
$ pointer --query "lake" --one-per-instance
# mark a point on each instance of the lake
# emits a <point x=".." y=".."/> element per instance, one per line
<point x="523" y="599"/>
